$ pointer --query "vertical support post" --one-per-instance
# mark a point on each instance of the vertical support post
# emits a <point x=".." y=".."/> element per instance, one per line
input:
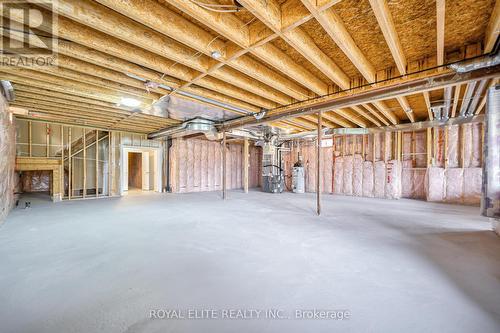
<point x="429" y="147"/>
<point x="224" y="168"/>
<point x="435" y="147"/>
<point x="445" y="146"/>
<point x="400" y="146"/>
<point x="29" y="139"/>
<point x="47" y="140"/>
<point x="343" y="144"/>
<point x="111" y="161"/>
<point x="385" y="147"/>
<point x="61" y="180"/>
<point x="481" y="156"/>
<point x="97" y="163"/>
<point x="318" y="164"/>
<point x="84" y="162"/>
<point x="70" y="171"/>
<point x="245" y="164"/>
<point x="363" y="146"/>
<point x="374" y="156"/>
<point x="461" y="134"/>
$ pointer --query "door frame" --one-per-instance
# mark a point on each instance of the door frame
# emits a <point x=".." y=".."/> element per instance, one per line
<point x="157" y="157"/>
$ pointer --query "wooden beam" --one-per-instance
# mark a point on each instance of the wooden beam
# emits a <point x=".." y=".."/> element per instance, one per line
<point x="352" y="117"/>
<point x="319" y="157"/>
<point x="367" y="115"/>
<point x="30" y="77"/>
<point x="402" y="87"/>
<point x="427" y="99"/>
<point x="456" y="99"/>
<point x="375" y="112"/>
<point x="384" y="19"/>
<point x="493" y="29"/>
<point x="382" y="107"/>
<point x="108" y="112"/>
<point x="429" y="147"/>
<point x="245" y="164"/>
<point x="440" y="23"/>
<point x="224" y="166"/>
<point x="301" y="42"/>
<point x="161" y="19"/>
<point x="334" y="118"/>
<point x="93" y="56"/>
<point x="91" y="38"/>
<point x="403" y="101"/>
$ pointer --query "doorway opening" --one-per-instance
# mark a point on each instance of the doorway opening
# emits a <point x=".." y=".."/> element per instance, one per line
<point x="134" y="171"/>
<point x="141" y="169"/>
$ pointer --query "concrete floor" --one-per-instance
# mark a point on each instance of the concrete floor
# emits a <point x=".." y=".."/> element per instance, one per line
<point x="101" y="266"/>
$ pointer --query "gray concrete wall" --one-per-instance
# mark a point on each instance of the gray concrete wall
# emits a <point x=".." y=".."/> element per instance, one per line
<point x="7" y="160"/>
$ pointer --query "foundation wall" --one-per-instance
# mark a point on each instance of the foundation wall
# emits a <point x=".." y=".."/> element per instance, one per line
<point x="196" y="166"/>
<point x="8" y="177"/>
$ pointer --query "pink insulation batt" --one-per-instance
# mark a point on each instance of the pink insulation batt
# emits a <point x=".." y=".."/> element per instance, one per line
<point x="357" y="177"/>
<point x="393" y="180"/>
<point x="348" y="165"/>
<point x="338" y="181"/>
<point x="368" y="179"/>
<point x="379" y="179"/>
<point x="472" y="186"/>
<point x="452" y="151"/>
<point x="435" y="184"/>
<point x="454" y="184"/>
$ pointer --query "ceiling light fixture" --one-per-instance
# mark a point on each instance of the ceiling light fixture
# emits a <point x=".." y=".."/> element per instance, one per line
<point x="216" y="54"/>
<point x="130" y="102"/>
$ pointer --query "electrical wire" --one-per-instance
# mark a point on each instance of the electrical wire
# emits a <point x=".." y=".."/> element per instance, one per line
<point x="217" y="8"/>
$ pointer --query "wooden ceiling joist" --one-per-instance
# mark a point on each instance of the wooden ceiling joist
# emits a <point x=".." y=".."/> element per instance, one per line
<point x="94" y="39"/>
<point x="230" y="27"/>
<point x="440" y="23"/>
<point x="106" y="20"/>
<point x="169" y="23"/>
<point x="376" y="113"/>
<point x="384" y="18"/>
<point x="66" y="86"/>
<point x="493" y="29"/>
<point x="270" y="57"/>
<point x="92" y="56"/>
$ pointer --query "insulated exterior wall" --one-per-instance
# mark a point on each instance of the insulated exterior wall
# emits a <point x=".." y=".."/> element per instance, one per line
<point x="378" y="169"/>
<point x="8" y="160"/>
<point x="196" y="166"/>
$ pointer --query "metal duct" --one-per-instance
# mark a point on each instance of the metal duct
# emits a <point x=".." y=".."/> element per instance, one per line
<point x="475" y="100"/>
<point x="490" y="202"/>
<point x="394" y="128"/>
<point x="447" y="103"/>
<point x="8" y="90"/>
<point x="467" y="98"/>
<point x="193" y="126"/>
<point x="473" y="65"/>
<point x="194" y="96"/>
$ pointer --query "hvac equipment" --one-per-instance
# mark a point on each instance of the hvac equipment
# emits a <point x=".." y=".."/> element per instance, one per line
<point x="273" y="178"/>
<point x="298" y="179"/>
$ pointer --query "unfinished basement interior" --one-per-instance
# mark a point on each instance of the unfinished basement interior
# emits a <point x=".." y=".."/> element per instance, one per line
<point x="250" y="166"/>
